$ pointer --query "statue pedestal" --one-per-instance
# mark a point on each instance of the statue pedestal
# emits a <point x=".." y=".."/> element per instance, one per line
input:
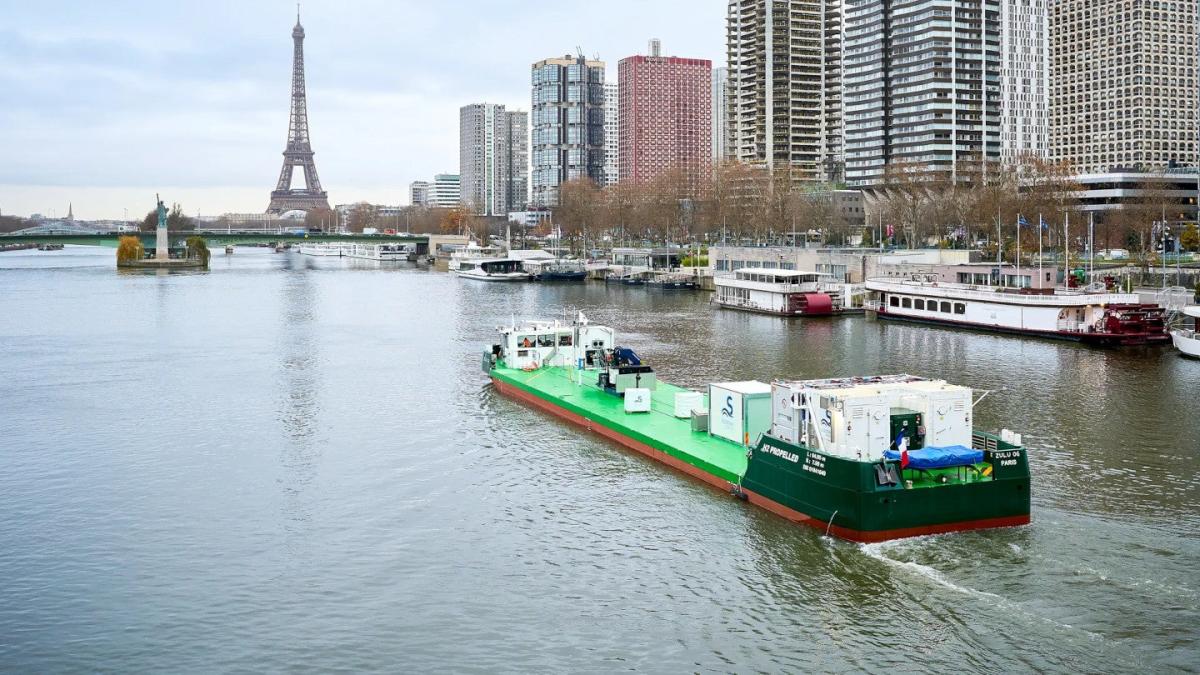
<point x="161" y="245"/>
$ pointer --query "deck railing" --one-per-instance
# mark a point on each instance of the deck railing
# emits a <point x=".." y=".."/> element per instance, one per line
<point x="954" y="291"/>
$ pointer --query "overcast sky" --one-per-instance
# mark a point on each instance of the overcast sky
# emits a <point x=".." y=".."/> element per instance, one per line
<point x="104" y="103"/>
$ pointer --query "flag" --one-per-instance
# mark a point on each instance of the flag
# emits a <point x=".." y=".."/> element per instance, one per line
<point x="891" y="231"/>
<point x="1021" y="222"/>
<point x="904" y="459"/>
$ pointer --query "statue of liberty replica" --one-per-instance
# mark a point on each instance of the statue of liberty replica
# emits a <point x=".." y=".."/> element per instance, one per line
<point x="161" y="243"/>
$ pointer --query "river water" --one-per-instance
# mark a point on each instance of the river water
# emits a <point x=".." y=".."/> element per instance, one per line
<point x="295" y="463"/>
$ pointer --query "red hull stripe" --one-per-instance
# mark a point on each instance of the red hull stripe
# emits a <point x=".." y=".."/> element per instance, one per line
<point x="753" y="498"/>
<point x="654" y="453"/>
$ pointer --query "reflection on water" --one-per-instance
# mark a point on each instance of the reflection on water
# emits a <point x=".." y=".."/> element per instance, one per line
<point x="299" y="408"/>
<point x="339" y="488"/>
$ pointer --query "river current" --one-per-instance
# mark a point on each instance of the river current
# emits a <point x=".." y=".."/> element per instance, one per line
<point x="295" y="463"/>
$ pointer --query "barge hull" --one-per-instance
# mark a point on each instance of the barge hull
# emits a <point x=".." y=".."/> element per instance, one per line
<point x="864" y="516"/>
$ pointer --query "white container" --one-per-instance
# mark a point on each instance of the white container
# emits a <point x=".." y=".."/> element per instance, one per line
<point x="637" y="400"/>
<point x="739" y="411"/>
<point x="686" y="402"/>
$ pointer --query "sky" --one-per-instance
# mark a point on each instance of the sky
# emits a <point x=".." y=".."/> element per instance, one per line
<point x="103" y="104"/>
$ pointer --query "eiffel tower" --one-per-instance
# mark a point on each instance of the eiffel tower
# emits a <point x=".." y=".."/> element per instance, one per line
<point x="298" y="152"/>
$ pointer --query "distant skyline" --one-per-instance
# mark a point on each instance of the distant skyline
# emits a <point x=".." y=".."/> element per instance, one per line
<point x="107" y="103"/>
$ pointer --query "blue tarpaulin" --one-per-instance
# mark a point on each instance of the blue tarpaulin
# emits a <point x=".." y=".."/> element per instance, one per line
<point x="939" y="458"/>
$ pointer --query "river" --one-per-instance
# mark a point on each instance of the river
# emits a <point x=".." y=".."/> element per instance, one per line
<point x="295" y="463"/>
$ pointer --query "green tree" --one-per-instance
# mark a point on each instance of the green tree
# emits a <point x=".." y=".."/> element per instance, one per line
<point x="198" y="248"/>
<point x="129" y="249"/>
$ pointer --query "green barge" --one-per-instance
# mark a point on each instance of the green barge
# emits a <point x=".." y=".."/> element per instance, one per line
<point x="867" y="459"/>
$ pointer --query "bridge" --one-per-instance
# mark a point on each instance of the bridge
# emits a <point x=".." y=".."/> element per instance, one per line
<point x="214" y="239"/>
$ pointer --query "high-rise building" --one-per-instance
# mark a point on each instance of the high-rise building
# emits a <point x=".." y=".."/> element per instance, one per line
<point x="1123" y="87"/>
<point x="447" y="192"/>
<point x="612" y="133"/>
<point x="921" y="86"/>
<point x="720" y="113"/>
<point x="492" y="158"/>
<point x="1024" y="73"/>
<point x="420" y="192"/>
<point x="567" y="124"/>
<point x="666" y="116"/>
<point x="790" y="119"/>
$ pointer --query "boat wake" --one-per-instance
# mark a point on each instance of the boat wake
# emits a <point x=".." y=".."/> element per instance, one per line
<point x="879" y="552"/>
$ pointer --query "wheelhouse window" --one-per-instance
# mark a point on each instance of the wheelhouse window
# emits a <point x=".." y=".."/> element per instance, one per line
<point x="546" y="340"/>
<point x="564" y="340"/>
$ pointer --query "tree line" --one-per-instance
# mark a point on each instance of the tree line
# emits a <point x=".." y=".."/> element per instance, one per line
<point x="977" y="206"/>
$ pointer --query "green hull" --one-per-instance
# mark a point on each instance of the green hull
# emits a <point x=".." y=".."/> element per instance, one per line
<point x="836" y="495"/>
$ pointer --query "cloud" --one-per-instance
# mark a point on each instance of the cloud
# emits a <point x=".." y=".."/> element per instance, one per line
<point x="123" y="96"/>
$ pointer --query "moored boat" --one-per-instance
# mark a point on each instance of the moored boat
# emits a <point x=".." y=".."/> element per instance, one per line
<point x="380" y="252"/>
<point x="866" y="458"/>
<point x="493" y="269"/>
<point x="1185" y="338"/>
<point x="556" y="269"/>
<point x="1093" y="317"/>
<point x="784" y="292"/>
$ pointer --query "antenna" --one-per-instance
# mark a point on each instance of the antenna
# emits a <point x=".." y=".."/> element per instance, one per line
<point x="579" y="51"/>
<point x="297" y="12"/>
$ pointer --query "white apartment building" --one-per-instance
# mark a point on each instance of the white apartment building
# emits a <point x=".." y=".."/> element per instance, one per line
<point x="789" y="120"/>
<point x="1123" y="84"/>
<point x="420" y="192"/>
<point x="612" y="136"/>
<point x="720" y="113"/>
<point x="493" y="158"/>
<point x="922" y="86"/>
<point x="447" y="192"/>
<point x="1024" y="78"/>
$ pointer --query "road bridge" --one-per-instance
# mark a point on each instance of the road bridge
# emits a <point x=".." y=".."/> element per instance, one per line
<point x="215" y="239"/>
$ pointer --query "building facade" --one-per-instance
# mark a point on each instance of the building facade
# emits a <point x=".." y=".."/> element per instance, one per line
<point x="612" y="131"/>
<point x="666" y="117"/>
<point x="420" y="192"/>
<point x="1024" y="79"/>
<point x="447" y="192"/>
<point x="567" y="138"/>
<point x="1123" y="84"/>
<point x="921" y="87"/>
<point x="492" y="159"/>
<point x="720" y="113"/>
<point x="791" y="119"/>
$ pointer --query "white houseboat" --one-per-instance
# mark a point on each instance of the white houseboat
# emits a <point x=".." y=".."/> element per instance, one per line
<point x="336" y="250"/>
<point x="1187" y="340"/>
<point x="381" y="252"/>
<point x="1096" y="317"/>
<point x="786" y="292"/>
<point x="470" y="252"/>
<point x="493" y="269"/>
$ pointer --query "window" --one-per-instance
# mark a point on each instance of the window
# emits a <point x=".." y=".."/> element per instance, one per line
<point x="894" y="301"/>
<point x="907" y="304"/>
<point x="960" y="308"/>
<point x="526" y="341"/>
<point x="946" y="307"/>
<point x="918" y="304"/>
<point x="545" y="340"/>
<point x="564" y="340"/>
